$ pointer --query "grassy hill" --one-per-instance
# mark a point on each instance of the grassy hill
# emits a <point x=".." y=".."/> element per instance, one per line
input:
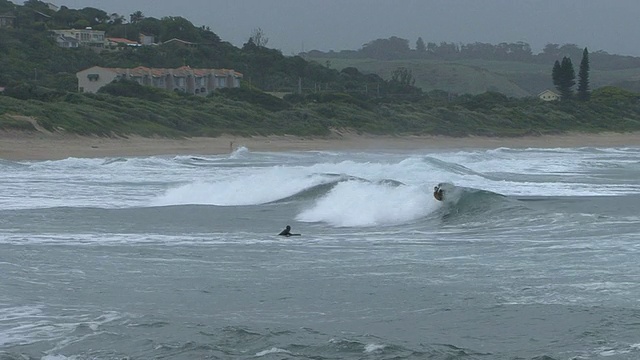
<point x="476" y="76"/>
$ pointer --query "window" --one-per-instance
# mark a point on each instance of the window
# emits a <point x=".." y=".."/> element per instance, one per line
<point x="93" y="77"/>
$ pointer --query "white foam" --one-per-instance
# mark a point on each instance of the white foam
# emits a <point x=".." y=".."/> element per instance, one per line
<point x="255" y="188"/>
<point x="57" y="357"/>
<point x="273" y="350"/>
<point x="239" y="152"/>
<point x="369" y="348"/>
<point x="28" y="324"/>
<point x="357" y="203"/>
<point x="245" y="178"/>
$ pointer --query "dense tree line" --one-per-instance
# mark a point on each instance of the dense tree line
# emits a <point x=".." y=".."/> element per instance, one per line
<point x="395" y="48"/>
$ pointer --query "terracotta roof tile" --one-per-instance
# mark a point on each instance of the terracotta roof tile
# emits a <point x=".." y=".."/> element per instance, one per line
<point x="182" y="71"/>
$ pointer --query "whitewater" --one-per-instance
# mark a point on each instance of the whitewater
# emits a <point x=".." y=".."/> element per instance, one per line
<point x="533" y="254"/>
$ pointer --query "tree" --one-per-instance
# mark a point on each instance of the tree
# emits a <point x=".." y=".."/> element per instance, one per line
<point x="116" y="19"/>
<point x="178" y="27"/>
<point x="568" y="77"/>
<point x="421" y="48"/>
<point x="564" y="77"/>
<point x="6" y="6"/>
<point x="403" y="76"/>
<point x="402" y="82"/>
<point x="583" y="77"/>
<point x="38" y="6"/>
<point x="136" y="17"/>
<point x="92" y="15"/>
<point x="391" y="48"/>
<point x="556" y="75"/>
<point x="258" y="38"/>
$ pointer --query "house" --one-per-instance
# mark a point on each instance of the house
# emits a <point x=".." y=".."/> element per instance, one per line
<point x="41" y="16"/>
<point x="179" y="42"/>
<point x="115" y="42"/>
<point x="52" y="6"/>
<point x="66" y="42"/>
<point x="85" y="37"/>
<point x="182" y="79"/>
<point x="548" y="95"/>
<point x="7" y="20"/>
<point x="147" y="39"/>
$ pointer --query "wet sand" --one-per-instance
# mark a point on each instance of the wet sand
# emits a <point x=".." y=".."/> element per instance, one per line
<point x="52" y="146"/>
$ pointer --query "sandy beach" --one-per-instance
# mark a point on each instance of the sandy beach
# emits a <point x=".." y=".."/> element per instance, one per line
<point x="53" y="146"/>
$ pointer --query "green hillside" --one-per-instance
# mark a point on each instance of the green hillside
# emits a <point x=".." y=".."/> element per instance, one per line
<point x="443" y="92"/>
<point x="476" y="76"/>
<point x="437" y="75"/>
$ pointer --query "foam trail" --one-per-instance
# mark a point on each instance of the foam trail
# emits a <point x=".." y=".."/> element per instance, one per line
<point x="358" y="204"/>
<point x="239" y="152"/>
<point x="258" y="188"/>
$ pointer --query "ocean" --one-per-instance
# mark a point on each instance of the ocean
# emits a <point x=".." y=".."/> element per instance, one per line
<point x="533" y="254"/>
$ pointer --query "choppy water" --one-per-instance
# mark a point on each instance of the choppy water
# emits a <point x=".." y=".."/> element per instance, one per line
<point x="534" y="255"/>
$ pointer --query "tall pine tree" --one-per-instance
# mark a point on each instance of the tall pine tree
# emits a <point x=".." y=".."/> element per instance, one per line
<point x="583" y="77"/>
<point x="420" y="46"/>
<point x="556" y="75"/>
<point x="564" y="78"/>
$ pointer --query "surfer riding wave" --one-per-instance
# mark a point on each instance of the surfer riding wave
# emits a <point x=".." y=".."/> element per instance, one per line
<point x="438" y="192"/>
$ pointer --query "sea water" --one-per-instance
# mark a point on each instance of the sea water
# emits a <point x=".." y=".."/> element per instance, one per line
<point x="533" y="254"/>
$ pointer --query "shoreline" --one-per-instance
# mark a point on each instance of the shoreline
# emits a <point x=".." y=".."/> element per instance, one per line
<point x="24" y="146"/>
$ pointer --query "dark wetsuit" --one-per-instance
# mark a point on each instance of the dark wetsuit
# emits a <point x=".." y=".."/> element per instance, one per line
<point x="286" y="231"/>
<point x="438" y="193"/>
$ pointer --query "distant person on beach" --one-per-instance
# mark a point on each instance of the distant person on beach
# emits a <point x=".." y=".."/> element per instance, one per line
<point x="287" y="232"/>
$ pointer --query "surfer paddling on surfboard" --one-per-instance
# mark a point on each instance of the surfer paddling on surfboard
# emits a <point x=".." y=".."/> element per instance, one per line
<point x="438" y="193"/>
<point x="287" y="232"/>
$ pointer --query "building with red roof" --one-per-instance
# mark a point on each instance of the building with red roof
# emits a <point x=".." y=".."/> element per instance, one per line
<point x="115" y="42"/>
<point x="182" y="79"/>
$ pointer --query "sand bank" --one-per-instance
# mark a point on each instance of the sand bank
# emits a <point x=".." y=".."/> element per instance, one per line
<point x="51" y="146"/>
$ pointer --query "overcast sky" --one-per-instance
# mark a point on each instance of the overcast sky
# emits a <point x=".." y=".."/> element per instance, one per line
<point x="296" y="25"/>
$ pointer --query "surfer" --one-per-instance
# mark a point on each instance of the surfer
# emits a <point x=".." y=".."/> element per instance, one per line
<point x="438" y="193"/>
<point x="287" y="232"/>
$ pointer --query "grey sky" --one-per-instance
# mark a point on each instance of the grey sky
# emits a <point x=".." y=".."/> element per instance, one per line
<point x="294" y="25"/>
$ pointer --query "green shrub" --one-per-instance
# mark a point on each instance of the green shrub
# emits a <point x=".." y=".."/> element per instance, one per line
<point x="129" y="88"/>
<point x="29" y="91"/>
<point x="256" y="97"/>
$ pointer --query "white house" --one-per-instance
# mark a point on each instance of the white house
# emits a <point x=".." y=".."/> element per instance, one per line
<point x="52" y="6"/>
<point x="182" y="79"/>
<point x="85" y="37"/>
<point x="7" y="20"/>
<point x="66" y="42"/>
<point x="147" y="39"/>
<point x="548" y="95"/>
